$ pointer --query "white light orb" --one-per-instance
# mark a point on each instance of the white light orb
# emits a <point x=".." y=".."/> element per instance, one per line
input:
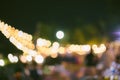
<point x="20" y="33"/>
<point x="59" y="34"/>
<point x="29" y="58"/>
<point x="32" y="52"/>
<point x="40" y="42"/>
<point x="39" y="59"/>
<point x="10" y="56"/>
<point x="15" y="59"/>
<point x="2" y="63"/>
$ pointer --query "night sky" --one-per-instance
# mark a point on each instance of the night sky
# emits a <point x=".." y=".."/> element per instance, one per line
<point x="25" y="14"/>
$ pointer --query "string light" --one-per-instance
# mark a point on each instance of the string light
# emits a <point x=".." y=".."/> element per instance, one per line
<point x="23" y="41"/>
<point x="16" y="37"/>
<point x="100" y="49"/>
<point x="12" y="59"/>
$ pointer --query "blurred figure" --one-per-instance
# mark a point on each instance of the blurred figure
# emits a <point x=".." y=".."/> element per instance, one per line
<point x="18" y="76"/>
<point x="79" y="75"/>
<point x="33" y="72"/>
<point x="18" y="73"/>
<point x="91" y="73"/>
<point x="39" y="71"/>
<point x="26" y="72"/>
<point x="91" y="59"/>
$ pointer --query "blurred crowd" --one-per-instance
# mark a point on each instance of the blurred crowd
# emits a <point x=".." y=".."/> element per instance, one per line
<point x="104" y="66"/>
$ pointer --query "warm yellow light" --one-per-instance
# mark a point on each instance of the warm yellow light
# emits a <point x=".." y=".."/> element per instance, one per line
<point x="19" y="38"/>
<point x="40" y="42"/>
<point x="23" y="41"/>
<point x="100" y="49"/>
<point x="54" y="55"/>
<point x="80" y="49"/>
<point x="43" y="43"/>
<point x="32" y="52"/>
<point x="61" y="50"/>
<point x="23" y="59"/>
<point x="86" y="48"/>
<point x="56" y="45"/>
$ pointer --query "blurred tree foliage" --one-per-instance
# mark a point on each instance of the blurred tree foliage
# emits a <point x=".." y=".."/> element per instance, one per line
<point x="79" y="34"/>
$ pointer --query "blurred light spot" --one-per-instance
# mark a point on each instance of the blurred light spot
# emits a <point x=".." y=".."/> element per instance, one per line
<point x="2" y="63"/>
<point x="39" y="59"/>
<point x="60" y="34"/>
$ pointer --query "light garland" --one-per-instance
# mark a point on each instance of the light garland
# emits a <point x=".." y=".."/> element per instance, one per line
<point x="23" y="41"/>
<point x="80" y="49"/>
<point x="100" y="49"/>
<point x="20" y="39"/>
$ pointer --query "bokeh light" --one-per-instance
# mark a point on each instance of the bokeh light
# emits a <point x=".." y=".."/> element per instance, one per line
<point x="39" y="59"/>
<point x="59" y="34"/>
<point x="2" y="63"/>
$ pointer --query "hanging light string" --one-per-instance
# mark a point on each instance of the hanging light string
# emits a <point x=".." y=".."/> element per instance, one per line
<point x="17" y="37"/>
<point x="23" y="41"/>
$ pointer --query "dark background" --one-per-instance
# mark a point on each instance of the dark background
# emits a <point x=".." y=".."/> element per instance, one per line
<point x="69" y="15"/>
